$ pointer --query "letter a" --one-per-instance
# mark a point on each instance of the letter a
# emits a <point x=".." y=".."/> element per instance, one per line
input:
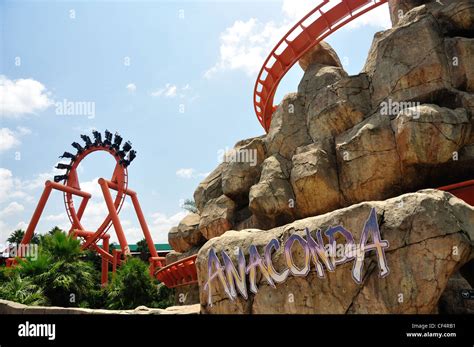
<point x="371" y="227"/>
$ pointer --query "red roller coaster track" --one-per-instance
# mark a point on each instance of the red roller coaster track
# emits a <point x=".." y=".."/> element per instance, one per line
<point x="318" y="24"/>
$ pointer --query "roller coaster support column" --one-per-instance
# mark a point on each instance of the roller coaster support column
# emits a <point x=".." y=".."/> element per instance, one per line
<point x="155" y="260"/>
<point x="37" y="214"/>
<point x="105" y="263"/>
<point x="49" y="185"/>
<point x="140" y="216"/>
<point x="114" y="216"/>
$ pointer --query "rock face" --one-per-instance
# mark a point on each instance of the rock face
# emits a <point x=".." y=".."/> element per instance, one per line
<point x="430" y="235"/>
<point x="452" y="301"/>
<point x="187" y="234"/>
<point x="216" y="217"/>
<point x="242" y="169"/>
<point x="320" y="54"/>
<point x="271" y="197"/>
<point x="403" y="124"/>
<point x="399" y="8"/>
<point x="368" y="161"/>
<point x="314" y="180"/>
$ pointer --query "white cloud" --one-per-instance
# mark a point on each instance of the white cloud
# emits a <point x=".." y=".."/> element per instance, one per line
<point x="22" y="131"/>
<point x="60" y="217"/>
<point x="11" y="209"/>
<point x="245" y="44"/>
<point x="188" y="173"/>
<point x="6" y="183"/>
<point x="22" y="96"/>
<point x="22" y="225"/>
<point x="169" y="91"/>
<point x="173" y="91"/>
<point x="10" y="139"/>
<point x="297" y="9"/>
<point x="131" y="87"/>
<point x="14" y="188"/>
<point x="185" y="173"/>
<point x="377" y="18"/>
<point x="162" y="223"/>
<point x="92" y="187"/>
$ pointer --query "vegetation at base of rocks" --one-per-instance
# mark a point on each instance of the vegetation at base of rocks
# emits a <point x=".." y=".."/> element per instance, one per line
<point x="190" y="206"/>
<point x="131" y="286"/>
<point x="22" y="290"/>
<point x="62" y="274"/>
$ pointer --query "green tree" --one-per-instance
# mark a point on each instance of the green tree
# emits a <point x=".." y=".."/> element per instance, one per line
<point x="165" y="297"/>
<point x="190" y="205"/>
<point x="61" y="246"/>
<point x="66" y="279"/>
<point x="142" y="247"/>
<point x="55" y="230"/>
<point x="22" y="290"/>
<point x="131" y="286"/>
<point x="17" y="235"/>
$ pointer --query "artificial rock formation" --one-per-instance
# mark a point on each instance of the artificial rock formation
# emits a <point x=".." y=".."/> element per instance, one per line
<point x="403" y="124"/>
<point x="187" y="234"/>
<point x="430" y="235"/>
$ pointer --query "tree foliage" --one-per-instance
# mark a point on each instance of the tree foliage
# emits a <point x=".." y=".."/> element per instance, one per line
<point x="190" y="205"/>
<point x="62" y="274"/>
<point x="131" y="286"/>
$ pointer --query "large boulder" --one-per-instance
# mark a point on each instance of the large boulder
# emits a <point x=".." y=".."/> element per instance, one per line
<point x="272" y="199"/>
<point x="460" y="51"/>
<point x="209" y="188"/>
<point x="187" y="234"/>
<point x="456" y="17"/>
<point x="242" y="169"/>
<point x="322" y="54"/>
<point x="430" y="235"/>
<point x="338" y="107"/>
<point x="403" y="74"/>
<point x="430" y="135"/>
<point x="288" y="129"/>
<point x="315" y="81"/>
<point x="217" y="217"/>
<point x="368" y="162"/>
<point x="314" y="181"/>
<point x="399" y="8"/>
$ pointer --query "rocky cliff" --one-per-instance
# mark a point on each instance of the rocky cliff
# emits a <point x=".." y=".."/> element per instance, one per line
<point x="342" y="144"/>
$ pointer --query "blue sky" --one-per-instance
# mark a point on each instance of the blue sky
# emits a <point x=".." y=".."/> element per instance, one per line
<point x="174" y="78"/>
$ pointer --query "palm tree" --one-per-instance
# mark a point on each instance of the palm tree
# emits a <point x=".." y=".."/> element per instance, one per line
<point x="61" y="246"/>
<point x="17" y="235"/>
<point x="66" y="278"/>
<point x="22" y="290"/>
<point x="190" y="205"/>
<point x="55" y="230"/>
